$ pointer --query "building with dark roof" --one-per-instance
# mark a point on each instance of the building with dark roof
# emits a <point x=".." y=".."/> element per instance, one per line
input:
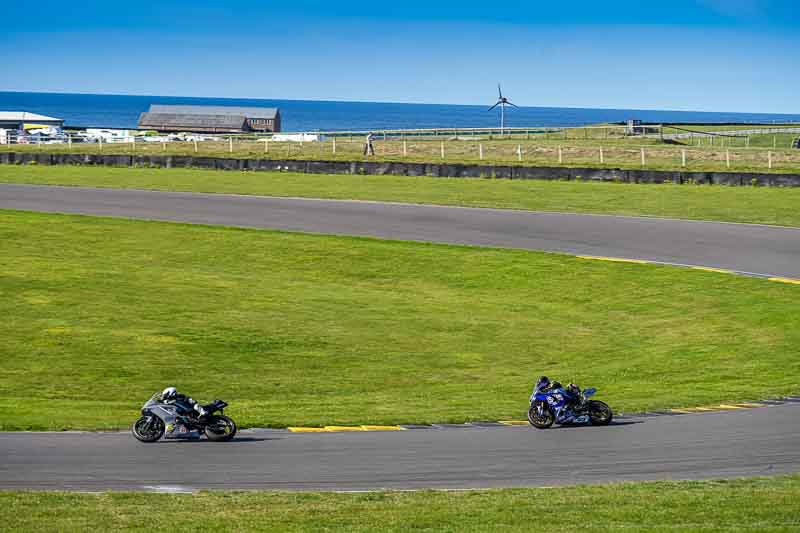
<point x="211" y="119"/>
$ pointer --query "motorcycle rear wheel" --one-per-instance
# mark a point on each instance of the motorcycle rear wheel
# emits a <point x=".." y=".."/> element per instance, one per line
<point x="599" y="413"/>
<point x="143" y="433"/>
<point x="543" y="421"/>
<point x="220" y="428"/>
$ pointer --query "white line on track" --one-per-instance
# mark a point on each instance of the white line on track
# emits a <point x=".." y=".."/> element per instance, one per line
<point x="168" y="489"/>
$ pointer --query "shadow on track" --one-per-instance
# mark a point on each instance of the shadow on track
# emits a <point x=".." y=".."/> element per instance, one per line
<point x="613" y="423"/>
<point x="242" y="440"/>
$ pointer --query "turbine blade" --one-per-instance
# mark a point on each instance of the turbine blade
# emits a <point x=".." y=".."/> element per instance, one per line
<point x="499" y="91"/>
<point x="514" y="105"/>
<point x="495" y="105"/>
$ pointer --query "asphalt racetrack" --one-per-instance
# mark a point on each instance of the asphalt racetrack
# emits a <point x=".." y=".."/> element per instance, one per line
<point x="760" y="250"/>
<point x="761" y="441"/>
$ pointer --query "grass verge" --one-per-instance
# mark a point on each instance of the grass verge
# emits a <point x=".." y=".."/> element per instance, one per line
<point x="297" y="329"/>
<point x="760" y="504"/>
<point x="733" y="204"/>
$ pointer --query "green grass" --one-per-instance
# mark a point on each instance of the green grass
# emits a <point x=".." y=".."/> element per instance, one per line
<point x="297" y="329"/>
<point x="771" y="141"/>
<point x="728" y="127"/>
<point x="760" y="504"/>
<point x="764" y="205"/>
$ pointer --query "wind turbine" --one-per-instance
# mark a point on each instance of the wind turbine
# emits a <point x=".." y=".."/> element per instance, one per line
<point x="502" y="101"/>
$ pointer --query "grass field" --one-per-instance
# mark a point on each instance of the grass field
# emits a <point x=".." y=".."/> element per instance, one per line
<point x="761" y="504"/>
<point x="733" y="204"/>
<point x="295" y="329"/>
<point x="672" y="128"/>
<point x="702" y="153"/>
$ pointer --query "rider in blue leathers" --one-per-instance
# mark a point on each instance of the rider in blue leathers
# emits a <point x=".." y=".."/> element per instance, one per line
<point x="572" y="393"/>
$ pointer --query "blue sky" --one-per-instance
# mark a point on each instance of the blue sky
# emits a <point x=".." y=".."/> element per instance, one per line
<point x="710" y="55"/>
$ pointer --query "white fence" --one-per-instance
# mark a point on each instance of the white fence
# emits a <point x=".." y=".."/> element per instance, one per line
<point x="603" y="132"/>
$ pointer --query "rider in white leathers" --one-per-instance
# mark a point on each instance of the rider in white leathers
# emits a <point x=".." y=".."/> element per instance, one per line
<point x="170" y="395"/>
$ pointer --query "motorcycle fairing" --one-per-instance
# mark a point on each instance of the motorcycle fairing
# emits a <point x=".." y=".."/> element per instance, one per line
<point x="174" y="428"/>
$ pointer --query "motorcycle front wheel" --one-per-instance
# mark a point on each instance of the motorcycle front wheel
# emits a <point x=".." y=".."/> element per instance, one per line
<point x="599" y="413"/>
<point x="541" y="421"/>
<point x="148" y="429"/>
<point x="220" y="428"/>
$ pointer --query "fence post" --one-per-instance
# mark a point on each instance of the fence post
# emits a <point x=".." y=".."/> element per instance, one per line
<point x="333" y="140"/>
<point x="601" y="156"/>
<point x="405" y="148"/>
<point x="774" y="141"/>
<point x="728" y="158"/>
<point x="442" y="147"/>
<point x="133" y="144"/>
<point x="747" y="142"/>
<point x="644" y="162"/>
<point x="101" y="143"/>
<point x="683" y="158"/>
<point x="769" y="159"/>
<point x="230" y="145"/>
<point x="560" y="156"/>
<point x="69" y="142"/>
<point x="480" y="152"/>
<point x="519" y="152"/>
<point x="195" y="146"/>
<point x="163" y="146"/>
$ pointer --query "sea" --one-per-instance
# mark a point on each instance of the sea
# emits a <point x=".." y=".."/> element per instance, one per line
<point x="122" y="111"/>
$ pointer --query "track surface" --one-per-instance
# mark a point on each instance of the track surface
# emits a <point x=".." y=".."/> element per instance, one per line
<point x="712" y="445"/>
<point x="724" y="444"/>
<point x="761" y="250"/>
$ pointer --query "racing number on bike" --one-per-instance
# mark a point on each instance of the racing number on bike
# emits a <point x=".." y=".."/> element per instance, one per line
<point x="554" y="399"/>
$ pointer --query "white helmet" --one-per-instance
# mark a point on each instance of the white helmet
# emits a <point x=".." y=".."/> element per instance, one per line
<point x="169" y="393"/>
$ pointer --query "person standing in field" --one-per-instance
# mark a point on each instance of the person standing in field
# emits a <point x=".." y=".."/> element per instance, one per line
<point x="368" y="148"/>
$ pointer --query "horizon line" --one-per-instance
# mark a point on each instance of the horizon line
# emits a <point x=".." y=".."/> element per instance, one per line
<point x="395" y="102"/>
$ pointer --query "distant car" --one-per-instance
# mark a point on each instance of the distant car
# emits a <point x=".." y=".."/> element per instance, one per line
<point x="155" y="139"/>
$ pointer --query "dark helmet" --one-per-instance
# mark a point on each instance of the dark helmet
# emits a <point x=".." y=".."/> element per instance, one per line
<point x="544" y="381"/>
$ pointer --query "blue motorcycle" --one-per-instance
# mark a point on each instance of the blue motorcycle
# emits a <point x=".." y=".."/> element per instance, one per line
<point x="552" y="407"/>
